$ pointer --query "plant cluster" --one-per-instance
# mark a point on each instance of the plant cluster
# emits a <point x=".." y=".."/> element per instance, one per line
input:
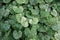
<point x="29" y="20"/>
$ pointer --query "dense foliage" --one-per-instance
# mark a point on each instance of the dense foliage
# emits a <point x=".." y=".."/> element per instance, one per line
<point x="29" y="20"/>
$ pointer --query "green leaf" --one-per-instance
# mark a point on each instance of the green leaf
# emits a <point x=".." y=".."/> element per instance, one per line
<point x="34" y="31"/>
<point x="10" y="38"/>
<point x="27" y="32"/>
<point x="5" y="37"/>
<point x="14" y="3"/>
<point x="47" y="37"/>
<point x="17" y="34"/>
<point x="12" y="17"/>
<point x="6" y="1"/>
<point x="52" y="20"/>
<point x="50" y="32"/>
<point x="40" y="1"/>
<point x="18" y="17"/>
<point x="58" y="8"/>
<point x="33" y="21"/>
<point x="54" y="13"/>
<point x="56" y="27"/>
<point x="5" y="27"/>
<point x="57" y="36"/>
<point x="18" y="9"/>
<point x="35" y="11"/>
<point x="49" y="1"/>
<point x="2" y="11"/>
<point x="21" y="1"/>
<point x="6" y="13"/>
<point x="44" y="7"/>
<point x="42" y="29"/>
<point x="44" y="13"/>
<point x="32" y="39"/>
<point x="11" y="22"/>
<point x="21" y="8"/>
<point x="33" y="2"/>
<point x="17" y="26"/>
<point x="24" y="22"/>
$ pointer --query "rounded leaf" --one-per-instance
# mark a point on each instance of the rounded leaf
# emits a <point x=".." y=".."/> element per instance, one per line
<point x="54" y="13"/>
<point x="22" y="1"/>
<point x="33" y="21"/>
<point x="16" y="34"/>
<point x="18" y="9"/>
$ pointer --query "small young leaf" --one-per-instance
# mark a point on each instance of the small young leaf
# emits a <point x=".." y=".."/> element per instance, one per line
<point x="16" y="34"/>
<point x="57" y="36"/>
<point x="18" y="9"/>
<point x="24" y="22"/>
<point x="54" y="13"/>
<point x="27" y="32"/>
<point x="33" y="21"/>
<point x="21" y="1"/>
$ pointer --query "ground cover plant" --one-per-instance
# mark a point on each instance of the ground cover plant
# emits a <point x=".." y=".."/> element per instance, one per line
<point x="29" y="19"/>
